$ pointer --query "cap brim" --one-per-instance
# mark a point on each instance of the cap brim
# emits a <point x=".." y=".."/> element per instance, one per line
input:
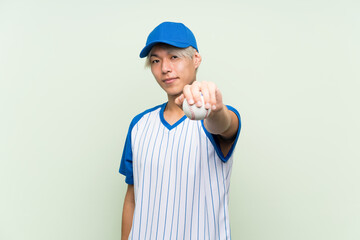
<point x="145" y="51"/>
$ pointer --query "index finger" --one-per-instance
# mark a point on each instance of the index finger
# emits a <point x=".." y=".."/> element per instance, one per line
<point x="196" y="93"/>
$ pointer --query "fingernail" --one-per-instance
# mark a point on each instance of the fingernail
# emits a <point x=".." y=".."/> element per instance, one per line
<point x="213" y="107"/>
<point x="207" y="106"/>
<point x="191" y="101"/>
<point x="199" y="104"/>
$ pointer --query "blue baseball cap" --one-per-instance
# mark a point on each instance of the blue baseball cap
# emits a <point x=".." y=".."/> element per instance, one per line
<point x="174" y="34"/>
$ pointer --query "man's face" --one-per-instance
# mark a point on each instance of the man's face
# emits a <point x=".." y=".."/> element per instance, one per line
<point x="172" y="71"/>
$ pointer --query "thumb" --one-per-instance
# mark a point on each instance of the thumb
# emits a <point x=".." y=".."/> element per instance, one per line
<point x="219" y="100"/>
<point x="179" y="100"/>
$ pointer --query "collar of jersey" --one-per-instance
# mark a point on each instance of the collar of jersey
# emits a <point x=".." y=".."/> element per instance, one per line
<point x="165" y="123"/>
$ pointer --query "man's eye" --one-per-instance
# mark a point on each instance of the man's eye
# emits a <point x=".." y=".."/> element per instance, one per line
<point x="154" y="61"/>
<point x="173" y="57"/>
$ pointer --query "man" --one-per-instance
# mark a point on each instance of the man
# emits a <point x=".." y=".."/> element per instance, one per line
<point x="178" y="170"/>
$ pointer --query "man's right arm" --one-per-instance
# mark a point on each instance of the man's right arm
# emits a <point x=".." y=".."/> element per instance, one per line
<point x="128" y="212"/>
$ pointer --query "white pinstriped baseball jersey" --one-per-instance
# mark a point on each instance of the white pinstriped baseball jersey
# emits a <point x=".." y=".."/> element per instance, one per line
<point x="181" y="178"/>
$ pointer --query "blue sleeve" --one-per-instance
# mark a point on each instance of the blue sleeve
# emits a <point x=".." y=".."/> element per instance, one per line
<point x="126" y="167"/>
<point x="215" y="143"/>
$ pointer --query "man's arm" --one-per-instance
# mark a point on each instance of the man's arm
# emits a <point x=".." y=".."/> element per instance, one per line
<point x="225" y="124"/>
<point x="221" y="121"/>
<point x="128" y="212"/>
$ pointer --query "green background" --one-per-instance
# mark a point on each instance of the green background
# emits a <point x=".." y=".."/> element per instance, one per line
<point x="71" y="81"/>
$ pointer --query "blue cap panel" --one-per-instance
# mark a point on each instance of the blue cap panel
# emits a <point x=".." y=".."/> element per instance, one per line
<point x="171" y="33"/>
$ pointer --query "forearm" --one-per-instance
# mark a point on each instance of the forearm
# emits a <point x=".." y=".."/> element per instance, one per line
<point x="223" y="123"/>
<point x="128" y="212"/>
<point x="221" y="120"/>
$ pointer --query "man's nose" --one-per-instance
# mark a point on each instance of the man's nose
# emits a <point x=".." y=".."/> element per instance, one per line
<point x="166" y="66"/>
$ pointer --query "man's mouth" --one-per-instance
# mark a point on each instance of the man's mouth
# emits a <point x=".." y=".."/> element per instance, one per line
<point x="169" y="80"/>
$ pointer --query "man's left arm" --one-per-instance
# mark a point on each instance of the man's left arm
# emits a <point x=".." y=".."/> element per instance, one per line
<point x="224" y="124"/>
<point x="221" y="122"/>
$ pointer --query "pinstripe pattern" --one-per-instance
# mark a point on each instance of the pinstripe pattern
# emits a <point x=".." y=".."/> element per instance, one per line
<point x="181" y="181"/>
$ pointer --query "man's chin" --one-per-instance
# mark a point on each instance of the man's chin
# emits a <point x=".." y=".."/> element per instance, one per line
<point x="174" y="94"/>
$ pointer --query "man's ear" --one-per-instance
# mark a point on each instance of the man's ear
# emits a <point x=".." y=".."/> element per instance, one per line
<point x="197" y="59"/>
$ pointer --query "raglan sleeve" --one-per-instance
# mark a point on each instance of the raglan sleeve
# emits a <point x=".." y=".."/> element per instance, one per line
<point x="126" y="167"/>
<point x="214" y="140"/>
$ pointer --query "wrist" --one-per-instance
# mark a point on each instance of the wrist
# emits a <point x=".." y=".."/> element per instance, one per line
<point x="218" y="122"/>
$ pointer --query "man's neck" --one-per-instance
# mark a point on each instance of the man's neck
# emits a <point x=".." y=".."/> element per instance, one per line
<point x="172" y="112"/>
